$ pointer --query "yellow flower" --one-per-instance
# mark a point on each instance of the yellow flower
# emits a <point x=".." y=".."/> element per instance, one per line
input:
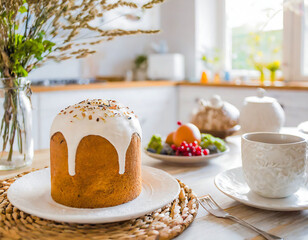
<point x="257" y="38"/>
<point x="273" y="66"/>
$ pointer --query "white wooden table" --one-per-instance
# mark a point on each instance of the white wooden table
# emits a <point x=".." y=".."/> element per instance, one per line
<point x="289" y="225"/>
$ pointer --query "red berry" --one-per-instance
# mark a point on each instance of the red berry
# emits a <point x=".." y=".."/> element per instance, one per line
<point x="189" y="149"/>
<point x="206" y="152"/>
<point x="179" y="123"/>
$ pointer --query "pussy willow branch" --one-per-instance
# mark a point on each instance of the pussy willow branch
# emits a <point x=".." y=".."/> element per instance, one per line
<point x="61" y="22"/>
<point x="65" y="19"/>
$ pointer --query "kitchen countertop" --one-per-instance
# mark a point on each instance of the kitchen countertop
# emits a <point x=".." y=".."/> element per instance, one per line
<point x="278" y="86"/>
<point x="302" y="86"/>
<point x="289" y="225"/>
<point x="103" y="85"/>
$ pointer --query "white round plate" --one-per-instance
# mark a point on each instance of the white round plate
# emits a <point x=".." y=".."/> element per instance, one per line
<point x="31" y="194"/>
<point x="183" y="159"/>
<point x="232" y="183"/>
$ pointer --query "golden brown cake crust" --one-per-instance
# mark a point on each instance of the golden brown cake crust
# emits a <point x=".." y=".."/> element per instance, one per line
<point x="97" y="182"/>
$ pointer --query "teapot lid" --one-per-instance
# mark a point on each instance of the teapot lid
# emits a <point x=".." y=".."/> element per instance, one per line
<point x="260" y="98"/>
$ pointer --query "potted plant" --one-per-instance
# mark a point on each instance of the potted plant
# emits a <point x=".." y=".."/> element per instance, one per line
<point x="140" y="67"/>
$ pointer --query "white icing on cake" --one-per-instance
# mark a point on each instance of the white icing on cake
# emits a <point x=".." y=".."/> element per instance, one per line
<point x="105" y="118"/>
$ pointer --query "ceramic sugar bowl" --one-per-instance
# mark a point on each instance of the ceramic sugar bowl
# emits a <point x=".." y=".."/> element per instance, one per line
<point x="261" y="114"/>
<point x="216" y="117"/>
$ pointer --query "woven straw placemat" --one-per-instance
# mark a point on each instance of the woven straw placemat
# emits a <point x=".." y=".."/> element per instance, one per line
<point x="165" y="223"/>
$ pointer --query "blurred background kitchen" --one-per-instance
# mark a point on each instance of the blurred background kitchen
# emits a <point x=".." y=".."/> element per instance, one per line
<point x="206" y="47"/>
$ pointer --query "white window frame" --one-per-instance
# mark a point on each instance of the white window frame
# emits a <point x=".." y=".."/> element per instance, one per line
<point x="292" y="46"/>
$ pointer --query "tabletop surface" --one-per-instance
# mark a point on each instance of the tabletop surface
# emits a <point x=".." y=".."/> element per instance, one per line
<point x="289" y="225"/>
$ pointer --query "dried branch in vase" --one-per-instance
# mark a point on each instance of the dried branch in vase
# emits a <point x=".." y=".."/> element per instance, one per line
<point x="34" y="31"/>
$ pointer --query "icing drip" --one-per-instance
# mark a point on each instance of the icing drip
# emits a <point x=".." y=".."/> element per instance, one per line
<point x="105" y="118"/>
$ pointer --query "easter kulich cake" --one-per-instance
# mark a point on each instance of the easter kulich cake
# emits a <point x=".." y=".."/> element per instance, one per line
<point x="95" y="155"/>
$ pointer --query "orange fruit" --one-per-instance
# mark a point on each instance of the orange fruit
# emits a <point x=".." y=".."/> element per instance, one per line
<point x="187" y="132"/>
<point x="169" y="138"/>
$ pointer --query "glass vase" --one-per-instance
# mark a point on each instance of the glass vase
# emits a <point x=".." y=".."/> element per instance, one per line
<point x="262" y="77"/>
<point x="273" y="77"/>
<point x="16" y="142"/>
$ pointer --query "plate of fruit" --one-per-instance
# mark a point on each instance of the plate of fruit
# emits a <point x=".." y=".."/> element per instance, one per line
<point x="186" y="145"/>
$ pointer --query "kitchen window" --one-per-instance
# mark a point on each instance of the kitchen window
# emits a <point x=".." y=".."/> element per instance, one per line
<point x="266" y="31"/>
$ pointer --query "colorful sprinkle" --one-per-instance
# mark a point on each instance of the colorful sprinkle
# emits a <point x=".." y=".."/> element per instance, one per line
<point x="99" y="110"/>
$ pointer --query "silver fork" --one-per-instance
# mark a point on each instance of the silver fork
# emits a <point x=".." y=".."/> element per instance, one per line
<point x="208" y="203"/>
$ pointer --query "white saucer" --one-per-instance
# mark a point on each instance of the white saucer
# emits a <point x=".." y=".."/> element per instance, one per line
<point x="303" y="127"/>
<point x="183" y="159"/>
<point x="232" y="183"/>
<point x="31" y="194"/>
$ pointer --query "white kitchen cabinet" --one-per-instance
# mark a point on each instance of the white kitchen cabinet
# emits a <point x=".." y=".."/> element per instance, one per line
<point x="156" y="108"/>
<point x="295" y="103"/>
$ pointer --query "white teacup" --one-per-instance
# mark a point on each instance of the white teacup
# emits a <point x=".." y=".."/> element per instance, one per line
<point x="273" y="163"/>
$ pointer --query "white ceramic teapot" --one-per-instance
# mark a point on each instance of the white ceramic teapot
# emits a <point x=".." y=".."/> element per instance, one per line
<point x="261" y="114"/>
